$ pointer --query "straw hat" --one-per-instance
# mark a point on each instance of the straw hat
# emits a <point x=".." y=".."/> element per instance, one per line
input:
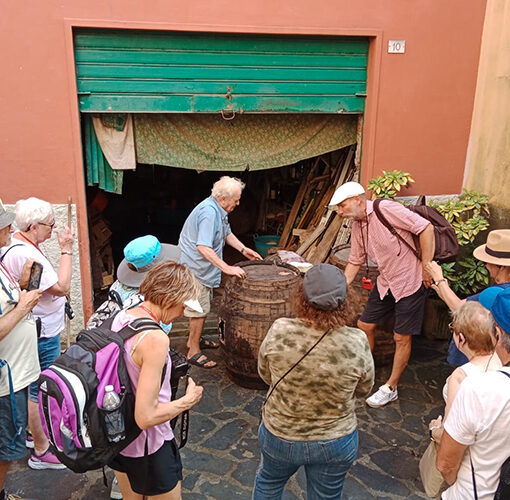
<point x="497" y="249"/>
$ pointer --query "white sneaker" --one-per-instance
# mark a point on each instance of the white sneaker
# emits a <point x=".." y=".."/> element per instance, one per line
<point x="115" y="492"/>
<point x="382" y="397"/>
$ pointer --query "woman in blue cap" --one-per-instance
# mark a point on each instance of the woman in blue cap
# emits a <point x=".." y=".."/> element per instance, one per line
<point x="315" y="366"/>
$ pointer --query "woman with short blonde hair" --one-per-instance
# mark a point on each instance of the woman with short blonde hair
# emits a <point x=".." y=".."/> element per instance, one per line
<point x="151" y="466"/>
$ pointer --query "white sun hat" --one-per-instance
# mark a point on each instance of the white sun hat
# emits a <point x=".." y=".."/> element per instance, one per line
<point x="347" y="190"/>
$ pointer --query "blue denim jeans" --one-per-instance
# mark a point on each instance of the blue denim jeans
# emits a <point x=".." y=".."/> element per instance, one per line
<point x="326" y="463"/>
<point x="49" y="351"/>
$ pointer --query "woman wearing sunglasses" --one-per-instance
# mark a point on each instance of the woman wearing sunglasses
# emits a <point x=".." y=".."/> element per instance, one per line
<point x="35" y="221"/>
<point x="471" y="327"/>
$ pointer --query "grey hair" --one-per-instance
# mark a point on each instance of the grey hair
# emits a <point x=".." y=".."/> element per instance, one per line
<point x="226" y="186"/>
<point x="504" y="339"/>
<point x="476" y="324"/>
<point x="32" y="211"/>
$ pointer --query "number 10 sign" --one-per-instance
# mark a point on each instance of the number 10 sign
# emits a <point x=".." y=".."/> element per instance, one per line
<point x="396" y="46"/>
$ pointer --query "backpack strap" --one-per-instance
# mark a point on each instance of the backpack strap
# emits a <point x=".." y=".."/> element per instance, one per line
<point x="136" y="326"/>
<point x="391" y="229"/>
<point x="9" y="249"/>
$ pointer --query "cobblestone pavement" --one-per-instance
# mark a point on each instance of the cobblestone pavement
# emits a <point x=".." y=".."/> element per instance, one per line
<point x="222" y="454"/>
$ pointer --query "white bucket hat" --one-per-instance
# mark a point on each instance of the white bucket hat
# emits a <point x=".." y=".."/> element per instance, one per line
<point x="345" y="191"/>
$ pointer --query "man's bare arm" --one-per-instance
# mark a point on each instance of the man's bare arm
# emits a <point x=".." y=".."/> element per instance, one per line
<point x="211" y="256"/>
<point x="350" y="272"/>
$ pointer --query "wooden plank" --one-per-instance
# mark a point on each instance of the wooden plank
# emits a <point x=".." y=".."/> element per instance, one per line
<point x="313" y="237"/>
<point x="289" y="225"/>
<point x="323" y="249"/>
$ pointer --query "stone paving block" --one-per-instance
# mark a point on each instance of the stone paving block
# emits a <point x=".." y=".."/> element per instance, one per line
<point x="353" y="490"/>
<point x="232" y="395"/>
<point x="368" y="443"/>
<point x="394" y="436"/>
<point x="204" y="462"/>
<point x="210" y="402"/>
<point x="400" y="461"/>
<point x="379" y="481"/>
<point x="245" y="473"/>
<point x="199" y="426"/>
<point x="225" y="490"/>
<point x="225" y="415"/>
<point x="415" y="425"/>
<point x="254" y="406"/>
<point x="189" y="481"/>
<point x="246" y="448"/>
<point x="227" y="436"/>
<point x="388" y="414"/>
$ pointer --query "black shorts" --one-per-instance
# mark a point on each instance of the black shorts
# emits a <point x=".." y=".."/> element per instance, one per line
<point x="159" y="475"/>
<point x="408" y="310"/>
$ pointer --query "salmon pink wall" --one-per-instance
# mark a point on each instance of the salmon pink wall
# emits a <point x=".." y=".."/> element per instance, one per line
<point x="419" y="103"/>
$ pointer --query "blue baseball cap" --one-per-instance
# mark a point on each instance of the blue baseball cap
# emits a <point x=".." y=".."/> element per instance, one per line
<point x="141" y="255"/>
<point x="501" y="310"/>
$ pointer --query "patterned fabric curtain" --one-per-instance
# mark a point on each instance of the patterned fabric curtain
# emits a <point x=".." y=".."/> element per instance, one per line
<point x="99" y="171"/>
<point x="246" y="142"/>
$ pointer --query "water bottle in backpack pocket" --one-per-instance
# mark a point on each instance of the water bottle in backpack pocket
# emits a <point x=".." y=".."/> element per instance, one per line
<point x="112" y="413"/>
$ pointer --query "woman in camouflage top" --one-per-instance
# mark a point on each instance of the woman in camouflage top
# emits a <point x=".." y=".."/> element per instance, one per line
<point x="309" y="419"/>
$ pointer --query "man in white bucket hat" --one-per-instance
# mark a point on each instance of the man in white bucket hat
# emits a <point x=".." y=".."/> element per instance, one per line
<point x="401" y="286"/>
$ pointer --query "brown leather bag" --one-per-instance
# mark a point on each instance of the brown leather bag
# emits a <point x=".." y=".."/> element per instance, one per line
<point x="447" y="246"/>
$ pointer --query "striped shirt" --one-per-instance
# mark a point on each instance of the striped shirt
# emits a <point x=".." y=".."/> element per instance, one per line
<point x="399" y="269"/>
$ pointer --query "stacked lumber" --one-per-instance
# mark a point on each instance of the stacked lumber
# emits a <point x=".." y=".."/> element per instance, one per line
<point x="312" y="228"/>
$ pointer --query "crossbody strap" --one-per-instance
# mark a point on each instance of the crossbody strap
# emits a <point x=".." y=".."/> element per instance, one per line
<point x="294" y="366"/>
<point x="9" y="249"/>
<point x="392" y="230"/>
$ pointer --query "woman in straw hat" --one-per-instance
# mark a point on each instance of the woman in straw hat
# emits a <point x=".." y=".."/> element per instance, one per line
<point x="496" y="256"/>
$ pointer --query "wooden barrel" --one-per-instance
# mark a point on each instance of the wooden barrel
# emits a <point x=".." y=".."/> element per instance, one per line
<point x="384" y="347"/>
<point x="248" y="308"/>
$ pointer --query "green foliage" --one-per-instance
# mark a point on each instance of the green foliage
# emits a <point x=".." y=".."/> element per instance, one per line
<point x="468" y="215"/>
<point x="390" y="183"/>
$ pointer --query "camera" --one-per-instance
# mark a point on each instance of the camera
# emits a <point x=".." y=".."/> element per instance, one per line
<point x="180" y="369"/>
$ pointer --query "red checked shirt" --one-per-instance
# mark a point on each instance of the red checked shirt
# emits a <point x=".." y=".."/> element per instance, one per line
<point x="399" y="269"/>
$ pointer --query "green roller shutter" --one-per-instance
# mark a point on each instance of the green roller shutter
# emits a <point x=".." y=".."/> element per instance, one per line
<point x="145" y="71"/>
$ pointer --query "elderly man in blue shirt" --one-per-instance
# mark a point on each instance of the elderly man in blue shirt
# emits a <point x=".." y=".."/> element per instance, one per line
<point x="201" y="241"/>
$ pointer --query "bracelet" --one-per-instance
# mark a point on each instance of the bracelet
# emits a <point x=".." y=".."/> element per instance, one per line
<point x="242" y="249"/>
<point x="439" y="281"/>
<point x="64" y="252"/>
<point x="431" y="429"/>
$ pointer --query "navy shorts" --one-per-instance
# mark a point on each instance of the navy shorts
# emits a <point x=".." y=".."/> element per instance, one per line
<point x="13" y="449"/>
<point x="155" y="474"/>
<point x="408" y="310"/>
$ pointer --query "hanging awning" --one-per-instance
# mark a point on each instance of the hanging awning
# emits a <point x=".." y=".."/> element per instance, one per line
<point x="246" y="142"/>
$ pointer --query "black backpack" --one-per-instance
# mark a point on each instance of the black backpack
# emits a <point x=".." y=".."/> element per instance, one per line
<point x="86" y="436"/>
<point x="447" y="245"/>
